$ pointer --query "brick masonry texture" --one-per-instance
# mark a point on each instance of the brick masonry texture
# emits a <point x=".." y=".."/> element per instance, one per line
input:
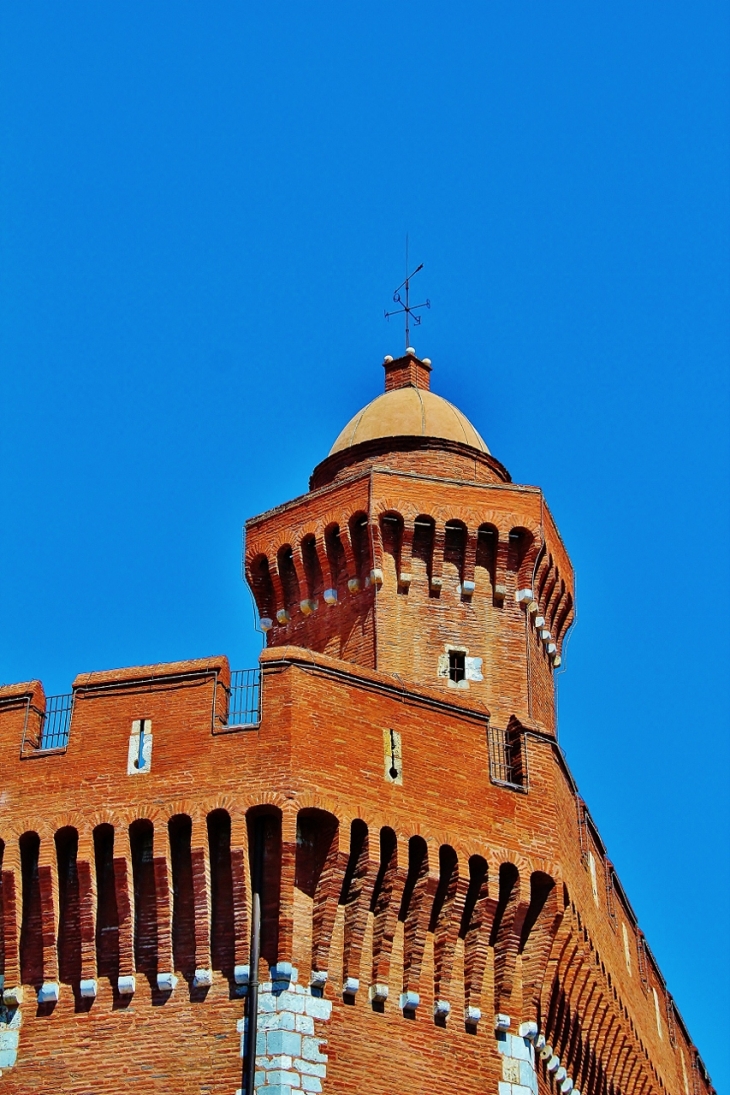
<point x="457" y="928"/>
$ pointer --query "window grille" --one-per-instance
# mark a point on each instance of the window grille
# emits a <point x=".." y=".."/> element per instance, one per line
<point x="244" y="701"/>
<point x="610" y="894"/>
<point x="642" y="961"/>
<point x="457" y="666"/>
<point x="56" y="722"/>
<point x="582" y="833"/>
<point x="507" y="758"/>
<point x="671" y="1022"/>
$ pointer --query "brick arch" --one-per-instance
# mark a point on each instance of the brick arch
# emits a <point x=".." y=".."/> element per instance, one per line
<point x="258" y="573"/>
<point x="523" y="551"/>
<point x="255" y="799"/>
<point x="221" y="800"/>
<point x="107" y="816"/>
<point x="317" y="800"/>
<point x="17" y="828"/>
<point x="70" y="818"/>
<point x="143" y="811"/>
<point x="394" y="504"/>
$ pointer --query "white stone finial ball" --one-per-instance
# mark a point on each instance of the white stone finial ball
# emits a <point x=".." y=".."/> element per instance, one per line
<point x="426" y="360"/>
<point x="387" y="359"/>
<point x="410" y="350"/>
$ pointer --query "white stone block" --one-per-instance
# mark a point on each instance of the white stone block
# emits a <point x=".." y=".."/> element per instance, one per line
<point x="277" y="1020"/>
<point x="311" y="1050"/>
<point x="330" y="596"/>
<point x="318" y="1008"/>
<point x="553" y="1064"/>
<point x="282" y="616"/>
<point x="88" y="988"/>
<point x="467" y="588"/>
<point x="311" y="1083"/>
<point x="376" y="577"/>
<point x="510" y="1070"/>
<point x="567" y="1086"/>
<point x="291" y="1001"/>
<point x="134" y="768"/>
<point x="307" y="607"/>
<point x="284" y="1041"/>
<point x="275" y="1089"/>
<point x="8" y="1058"/>
<point x="13" y="1019"/>
<point x="353" y="584"/>
<point x="473" y="669"/>
<point x="539" y="622"/>
<point x="545" y="635"/>
<point x="473" y="1015"/>
<point x="523" y="596"/>
<point x="409" y="1001"/>
<point x="267" y="1002"/>
<point x="528" y="1076"/>
<point x="310" y="1068"/>
<point x="13" y="997"/>
<point x="303" y="1023"/>
<point x="441" y="1009"/>
<point x="266" y="623"/>
<point x="282" y="971"/>
<point x="529" y="1030"/>
<point x="504" y="1088"/>
<point x="241" y="974"/>
<point x="560" y="1075"/>
<point x="520" y="1049"/>
<point x="49" y="992"/>
<point x="279" y="1076"/>
<point x="9" y="1039"/>
<point x="546" y="1052"/>
<point x="557" y="661"/>
<point x="405" y="579"/>
<point x="318" y="979"/>
<point x="436" y="582"/>
<point x="501" y="1022"/>
<point x="202" y="979"/>
<point x="351" y="985"/>
<point x="540" y="1042"/>
<point x="282" y="1060"/>
<point x="378" y="993"/>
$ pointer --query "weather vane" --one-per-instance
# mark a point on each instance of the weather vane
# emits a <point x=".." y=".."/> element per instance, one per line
<point x="406" y="308"/>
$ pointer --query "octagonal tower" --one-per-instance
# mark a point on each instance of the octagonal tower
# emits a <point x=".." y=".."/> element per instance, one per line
<point x="414" y="554"/>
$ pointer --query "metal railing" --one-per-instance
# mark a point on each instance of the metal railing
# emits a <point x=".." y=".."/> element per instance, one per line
<point x="244" y="700"/>
<point x="56" y="722"/>
<point x="507" y="758"/>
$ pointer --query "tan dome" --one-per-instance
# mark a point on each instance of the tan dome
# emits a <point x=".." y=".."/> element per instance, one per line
<point x="409" y="412"/>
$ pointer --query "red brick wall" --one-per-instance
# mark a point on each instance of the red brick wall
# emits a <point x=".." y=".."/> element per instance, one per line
<point x="512" y="940"/>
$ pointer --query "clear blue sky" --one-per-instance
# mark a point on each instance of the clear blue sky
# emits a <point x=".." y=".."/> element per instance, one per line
<point x="203" y="209"/>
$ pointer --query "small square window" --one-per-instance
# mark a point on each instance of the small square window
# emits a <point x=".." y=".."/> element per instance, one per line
<point x="457" y="666"/>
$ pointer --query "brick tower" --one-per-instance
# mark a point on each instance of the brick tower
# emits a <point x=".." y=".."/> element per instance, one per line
<point x="365" y="862"/>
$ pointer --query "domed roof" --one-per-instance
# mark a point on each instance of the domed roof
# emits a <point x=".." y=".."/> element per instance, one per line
<point x="409" y="412"/>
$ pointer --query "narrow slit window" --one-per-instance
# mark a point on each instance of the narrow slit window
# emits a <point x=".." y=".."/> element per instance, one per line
<point x="457" y="666"/>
